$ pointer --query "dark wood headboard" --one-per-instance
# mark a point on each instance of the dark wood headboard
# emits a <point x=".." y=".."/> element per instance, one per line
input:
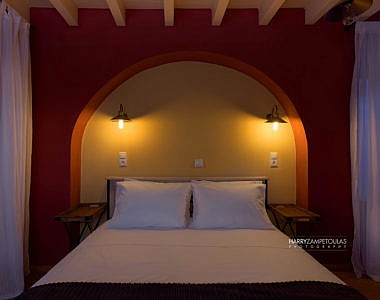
<point x="112" y="180"/>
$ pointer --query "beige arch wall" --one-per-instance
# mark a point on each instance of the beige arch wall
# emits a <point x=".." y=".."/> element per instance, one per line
<point x="182" y="111"/>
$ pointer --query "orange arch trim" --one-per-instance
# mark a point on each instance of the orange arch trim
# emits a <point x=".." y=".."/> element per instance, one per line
<point x="208" y="57"/>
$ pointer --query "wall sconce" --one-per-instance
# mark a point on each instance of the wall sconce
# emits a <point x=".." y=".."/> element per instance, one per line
<point x="274" y="118"/>
<point x="121" y="117"/>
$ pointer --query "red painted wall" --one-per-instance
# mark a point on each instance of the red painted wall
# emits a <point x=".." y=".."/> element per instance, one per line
<point x="312" y="64"/>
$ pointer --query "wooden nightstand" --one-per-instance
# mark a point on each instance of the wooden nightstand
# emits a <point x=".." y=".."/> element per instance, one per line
<point x="84" y="213"/>
<point x="292" y="214"/>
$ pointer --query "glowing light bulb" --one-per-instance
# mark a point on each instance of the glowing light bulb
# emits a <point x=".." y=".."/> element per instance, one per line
<point x="121" y="124"/>
<point x="275" y="126"/>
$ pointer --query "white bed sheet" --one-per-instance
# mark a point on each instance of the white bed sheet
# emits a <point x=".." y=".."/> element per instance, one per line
<point x="187" y="256"/>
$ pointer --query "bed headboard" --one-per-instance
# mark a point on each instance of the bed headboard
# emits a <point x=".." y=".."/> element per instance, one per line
<point x="112" y="180"/>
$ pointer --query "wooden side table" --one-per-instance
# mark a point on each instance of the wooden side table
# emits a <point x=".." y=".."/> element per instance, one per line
<point x="292" y="214"/>
<point x="84" y="213"/>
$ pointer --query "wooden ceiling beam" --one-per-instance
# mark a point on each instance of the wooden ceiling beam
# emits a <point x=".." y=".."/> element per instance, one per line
<point x="117" y="9"/>
<point x="67" y="9"/>
<point x="218" y="11"/>
<point x="268" y="10"/>
<point x="169" y="12"/>
<point x="317" y="9"/>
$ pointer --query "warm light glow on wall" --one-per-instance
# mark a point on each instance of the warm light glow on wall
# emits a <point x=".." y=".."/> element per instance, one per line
<point x="121" y="124"/>
<point x="173" y="124"/>
<point x="275" y="126"/>
<point x="269" y="138"/>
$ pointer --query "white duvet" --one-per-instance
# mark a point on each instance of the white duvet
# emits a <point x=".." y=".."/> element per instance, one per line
<point x="187" y="256"/>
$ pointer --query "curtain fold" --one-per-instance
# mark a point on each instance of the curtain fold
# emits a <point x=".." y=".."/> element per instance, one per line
<point x="15" y="150"/>
<point x="365" y="150"/>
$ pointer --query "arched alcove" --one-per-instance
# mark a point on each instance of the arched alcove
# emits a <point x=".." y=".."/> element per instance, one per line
<point x="109" y="87"/>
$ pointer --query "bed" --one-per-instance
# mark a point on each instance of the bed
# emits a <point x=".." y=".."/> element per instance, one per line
<point x="188" y="238"/>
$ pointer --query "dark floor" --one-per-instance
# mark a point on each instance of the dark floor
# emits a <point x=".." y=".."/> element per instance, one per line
<point x="35" y="274"/>
<point x="365" y="285"/>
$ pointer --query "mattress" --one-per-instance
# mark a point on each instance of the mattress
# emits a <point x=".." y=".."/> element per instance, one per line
<point x="187" y="256"/>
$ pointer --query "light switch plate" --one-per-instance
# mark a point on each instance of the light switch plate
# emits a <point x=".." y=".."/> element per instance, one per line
<point x="273" y="159"/>
<point x="123" y="159"/>
<point x="198" y="163"/>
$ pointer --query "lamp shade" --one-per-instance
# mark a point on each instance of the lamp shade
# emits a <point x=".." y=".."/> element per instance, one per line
<point x="121" y="117"/>
<point x="274" y="116"/>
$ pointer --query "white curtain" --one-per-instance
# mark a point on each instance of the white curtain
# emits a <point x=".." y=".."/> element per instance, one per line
<point x="365" y="150"/>
<point x="15" y="150"/>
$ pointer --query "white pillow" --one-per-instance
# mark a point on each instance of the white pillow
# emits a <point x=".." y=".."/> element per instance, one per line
<point x="229" y="205"/>
<point x="146" y="204"/>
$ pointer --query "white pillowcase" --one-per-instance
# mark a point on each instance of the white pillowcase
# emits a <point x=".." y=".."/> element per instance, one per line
<point x="229" y="205"/>
<point x="146" y="204"/>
